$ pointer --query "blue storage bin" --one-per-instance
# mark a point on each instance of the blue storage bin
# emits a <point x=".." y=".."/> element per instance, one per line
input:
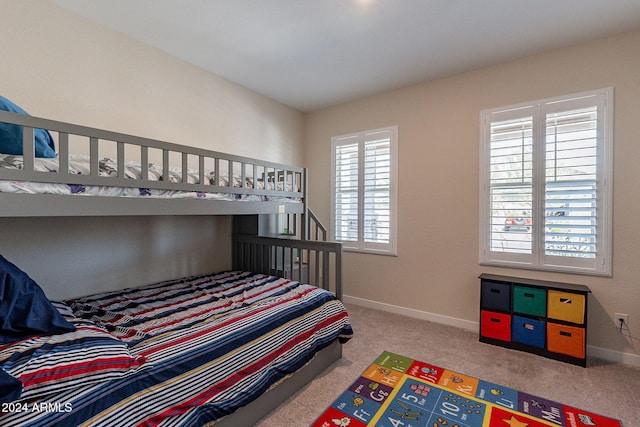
<point x="528" y="331"/>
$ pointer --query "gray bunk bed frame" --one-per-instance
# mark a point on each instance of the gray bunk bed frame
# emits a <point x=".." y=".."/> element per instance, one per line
<point x="249" y="171"/>
<point x="315" y="262"/>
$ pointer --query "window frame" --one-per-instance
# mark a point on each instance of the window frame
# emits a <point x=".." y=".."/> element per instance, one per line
<point x="601" y="264"/>
<point x="360" y="245"/>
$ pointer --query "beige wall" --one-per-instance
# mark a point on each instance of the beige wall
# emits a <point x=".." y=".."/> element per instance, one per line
<point x="58" y="65"/>
<point x="435" y="272"/>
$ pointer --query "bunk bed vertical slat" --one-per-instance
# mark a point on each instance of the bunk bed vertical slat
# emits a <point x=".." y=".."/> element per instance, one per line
<point x="338" y="271"/>
<point x="300" y="258"/>
<point x="120" y="160"/>
<point x="201" y="169"/>
<point x="325" y="268"/>
<point x="63" y="153"/>
<point x="28" y="148"/>
<point x="266" y="257"/>
<point x="291" y="263"/>
<point x="185" y="167"/>
<point x="216" y="172"/>
<point x="144" y="162"/>
<point x="94" y="153"/>
<point x="317" y="266"/>
<point x="165" y="165"/>
<point x="255" y="176"/>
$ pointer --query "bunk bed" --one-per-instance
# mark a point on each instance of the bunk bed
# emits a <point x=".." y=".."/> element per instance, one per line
<point x="223" y="348"/>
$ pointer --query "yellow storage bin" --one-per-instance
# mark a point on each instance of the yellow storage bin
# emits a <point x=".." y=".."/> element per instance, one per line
<point x="566" y="306"/>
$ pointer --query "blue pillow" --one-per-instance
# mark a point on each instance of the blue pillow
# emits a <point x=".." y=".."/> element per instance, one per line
<point x="11" y="135"/>
<point x="24" y="308"/>
<point x="10" y="387"/>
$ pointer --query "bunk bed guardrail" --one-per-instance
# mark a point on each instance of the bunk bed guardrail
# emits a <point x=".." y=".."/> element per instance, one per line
<point x="306" y="226"/>
<point x="184" y="168"/>
<point x="315" y="230"/>
<point x="318" y="263"/>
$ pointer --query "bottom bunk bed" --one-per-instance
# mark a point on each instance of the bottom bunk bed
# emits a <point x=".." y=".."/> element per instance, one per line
<point x="187" y="352"/>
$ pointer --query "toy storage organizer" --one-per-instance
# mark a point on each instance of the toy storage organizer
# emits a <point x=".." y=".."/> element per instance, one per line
<point x="545" y="318"/>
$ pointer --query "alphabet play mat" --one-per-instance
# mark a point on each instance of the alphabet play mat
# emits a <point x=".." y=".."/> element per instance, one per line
<point x="397" y="391"/>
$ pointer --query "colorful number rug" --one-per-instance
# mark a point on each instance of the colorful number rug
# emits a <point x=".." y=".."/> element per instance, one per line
<point x="396" y="391"/>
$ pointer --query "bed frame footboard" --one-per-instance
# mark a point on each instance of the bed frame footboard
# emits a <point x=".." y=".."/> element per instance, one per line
<point x="315" y="262"/>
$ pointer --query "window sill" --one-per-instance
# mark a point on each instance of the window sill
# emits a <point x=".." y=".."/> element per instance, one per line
<point x="370" y="251"/>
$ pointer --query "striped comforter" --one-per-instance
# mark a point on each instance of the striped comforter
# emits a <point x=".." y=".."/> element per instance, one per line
<point x="208" y="345"/>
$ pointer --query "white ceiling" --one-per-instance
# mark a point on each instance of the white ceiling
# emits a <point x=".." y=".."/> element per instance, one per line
<point x="310" y="54"/>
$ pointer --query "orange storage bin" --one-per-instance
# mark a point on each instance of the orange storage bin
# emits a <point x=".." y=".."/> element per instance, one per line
<point x="567" y="340"/>
<point x="495" y="325"/>
<point x="566" y="306"/>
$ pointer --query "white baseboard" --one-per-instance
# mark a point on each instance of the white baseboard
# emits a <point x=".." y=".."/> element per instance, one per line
<point x="602" y="353"/>
<point x="416" y="314"/>
<point x="613" y="356"/>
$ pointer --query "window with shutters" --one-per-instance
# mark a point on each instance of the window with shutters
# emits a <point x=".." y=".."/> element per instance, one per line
<point x="546" y="184"/>
<point x="364" y="191"/>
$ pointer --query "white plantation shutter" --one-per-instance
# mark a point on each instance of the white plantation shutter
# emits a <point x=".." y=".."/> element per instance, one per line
<point x="546" y="172"/>
<point x="365" y="190"/>
<point x="571" y="196"/>
<point x="511" y="183"/>
<point x="377" y="190"/>
<point x="347" y="162"/>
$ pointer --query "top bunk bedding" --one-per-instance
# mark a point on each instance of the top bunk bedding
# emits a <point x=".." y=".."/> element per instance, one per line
<point x="96" y="172"/>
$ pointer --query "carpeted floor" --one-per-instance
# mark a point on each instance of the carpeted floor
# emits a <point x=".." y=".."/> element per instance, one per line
<point x="603" y="387"/>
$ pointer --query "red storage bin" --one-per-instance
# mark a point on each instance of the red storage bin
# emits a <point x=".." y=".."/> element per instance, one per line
<point x="495" y="325"/>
